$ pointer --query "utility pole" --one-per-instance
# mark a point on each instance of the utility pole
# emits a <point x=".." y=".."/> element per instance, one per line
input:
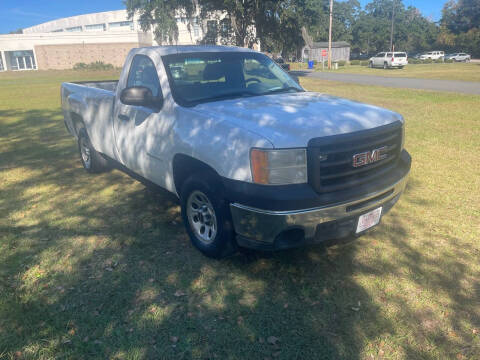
<point x="393" y="20"/>
<point x="330" y="37"/>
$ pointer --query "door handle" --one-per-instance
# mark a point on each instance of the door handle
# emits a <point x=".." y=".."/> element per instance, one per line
<point x="123" y="117"/>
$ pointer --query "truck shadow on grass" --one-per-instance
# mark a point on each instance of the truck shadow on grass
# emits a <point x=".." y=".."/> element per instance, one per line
<point x="100" y="267"/>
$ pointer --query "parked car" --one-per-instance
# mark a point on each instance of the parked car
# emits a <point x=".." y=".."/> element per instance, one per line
<point x="414" y="55"/>
<point x="255" y="162"/>
<point x="388" y="60"/>
<point x="458" y="57"/>
<point x="280" y="61"/>
<point x="359" y="56"/>
<point x="433" y="55"/>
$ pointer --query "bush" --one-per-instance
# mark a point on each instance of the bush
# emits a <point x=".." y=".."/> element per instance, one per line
<point x="439" y="61"/>
<point x="449" y="61"/>
<point x="97" y="65"/>
<point x="341" y="63"/>
<point x="427" y="61"/>
<point x="364" y="62"/>
<point x="414" y="61"/>
<point x="355" y="62"/>
<point x="80" y="66"/>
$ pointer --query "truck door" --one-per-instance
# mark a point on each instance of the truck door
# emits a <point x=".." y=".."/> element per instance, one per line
<point x="131" y="122"/>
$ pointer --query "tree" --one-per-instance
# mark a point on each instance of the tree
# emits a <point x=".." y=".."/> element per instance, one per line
<point x="243" y="16"/>
<point x="371" y="31"/>
<point x="160" y="15"/>
<point x="460" y="26"/>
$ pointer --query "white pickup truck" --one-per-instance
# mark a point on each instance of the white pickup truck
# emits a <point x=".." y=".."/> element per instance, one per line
<point x="255" y="160"/>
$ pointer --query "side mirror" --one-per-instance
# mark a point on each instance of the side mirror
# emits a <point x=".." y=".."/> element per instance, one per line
<point x="139" y="96"/>
<point x="295" y="77"/>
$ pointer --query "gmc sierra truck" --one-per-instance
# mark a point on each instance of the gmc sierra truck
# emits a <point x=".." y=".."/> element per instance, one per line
<point x="255" y="160"/>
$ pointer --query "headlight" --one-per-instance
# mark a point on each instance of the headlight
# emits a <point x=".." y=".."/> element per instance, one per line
<point x="279" y="167"/>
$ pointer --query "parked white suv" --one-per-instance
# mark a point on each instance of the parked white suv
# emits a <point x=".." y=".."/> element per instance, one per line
<point x="433" y="55"/>
<point x="389" y="60"/>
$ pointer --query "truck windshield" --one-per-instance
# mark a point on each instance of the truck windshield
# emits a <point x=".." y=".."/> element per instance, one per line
<point x="203" y="77"/>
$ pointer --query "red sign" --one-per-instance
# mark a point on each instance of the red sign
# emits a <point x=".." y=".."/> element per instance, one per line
<point x="324" y="52"/>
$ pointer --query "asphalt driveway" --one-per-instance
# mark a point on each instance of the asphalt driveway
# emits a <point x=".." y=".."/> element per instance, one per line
<point x="465" y="87"/>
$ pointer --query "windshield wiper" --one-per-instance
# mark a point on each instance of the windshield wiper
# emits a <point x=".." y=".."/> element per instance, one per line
<point x="283" y="89"/>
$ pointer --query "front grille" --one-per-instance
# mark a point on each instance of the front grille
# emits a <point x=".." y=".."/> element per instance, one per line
<point x="330" y="159"/>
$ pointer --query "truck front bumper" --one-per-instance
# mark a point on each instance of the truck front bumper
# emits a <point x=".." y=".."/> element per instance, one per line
<point x="274" y="230"/>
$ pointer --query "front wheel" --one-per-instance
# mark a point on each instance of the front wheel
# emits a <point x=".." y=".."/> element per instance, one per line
<point x="385" y="66"/>
<point x="206" y="216"/>
<point x="370" y="64"/>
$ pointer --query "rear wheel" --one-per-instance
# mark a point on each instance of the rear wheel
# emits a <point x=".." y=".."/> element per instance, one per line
<point x="206" y="216"/>
<point x="92" y="161"/>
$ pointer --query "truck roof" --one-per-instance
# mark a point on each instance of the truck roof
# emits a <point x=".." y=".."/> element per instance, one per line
<point x="178" y="49"/>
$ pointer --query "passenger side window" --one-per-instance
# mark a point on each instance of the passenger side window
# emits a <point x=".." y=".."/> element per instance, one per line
<point x="143" y="73"/>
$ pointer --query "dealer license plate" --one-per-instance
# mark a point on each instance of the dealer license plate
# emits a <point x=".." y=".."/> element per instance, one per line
<point x="366" y="221"/>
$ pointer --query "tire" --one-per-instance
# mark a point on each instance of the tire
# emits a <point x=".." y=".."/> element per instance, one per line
<point x="205" y="209"/>
<point x="400" y="67"/>
<point x="370" y="64"/>
<point x="385" y="66"/>
<point x="91" y="160"/>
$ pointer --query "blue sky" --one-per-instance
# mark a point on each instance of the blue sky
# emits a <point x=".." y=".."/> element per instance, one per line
<point x="16" y="14"/>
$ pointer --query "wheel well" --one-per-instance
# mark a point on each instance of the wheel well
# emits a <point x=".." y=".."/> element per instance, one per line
<point x="184" y="166"/>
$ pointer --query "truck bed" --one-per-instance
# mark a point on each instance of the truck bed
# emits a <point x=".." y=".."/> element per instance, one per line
<point x="109" y="85"/>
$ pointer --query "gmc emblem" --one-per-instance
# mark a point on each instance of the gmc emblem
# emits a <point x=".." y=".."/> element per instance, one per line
<point x="369" y="157"/>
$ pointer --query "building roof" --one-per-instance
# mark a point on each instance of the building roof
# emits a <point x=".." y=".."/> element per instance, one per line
<point x="324" y="44"/>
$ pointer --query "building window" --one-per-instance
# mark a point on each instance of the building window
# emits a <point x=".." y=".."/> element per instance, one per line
<point x="95" y="27"/>
<point x="121" y="25"/>
<point x="212" y="32"/>
<point x="74" y="29"/>
<point x="225" y="28"/>
<point x="21" y="60"/>
<point x="58" y="30"/>
<point x="196" y="30"/>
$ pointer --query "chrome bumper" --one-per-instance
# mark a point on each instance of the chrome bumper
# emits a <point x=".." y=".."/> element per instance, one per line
<point x="264" y="226"/>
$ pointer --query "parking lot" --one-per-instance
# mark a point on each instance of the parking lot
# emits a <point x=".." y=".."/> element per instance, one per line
<point x="100" y="267"/>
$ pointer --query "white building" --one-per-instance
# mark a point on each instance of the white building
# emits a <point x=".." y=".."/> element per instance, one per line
<point x="105" y="36"/>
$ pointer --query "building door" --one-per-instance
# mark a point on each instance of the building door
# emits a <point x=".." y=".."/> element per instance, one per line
<point x="131" y="122"/>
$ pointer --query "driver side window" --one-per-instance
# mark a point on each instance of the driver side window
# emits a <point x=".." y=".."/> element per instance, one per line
<point x="256" y="72"/>
<point x="143" y="73"/>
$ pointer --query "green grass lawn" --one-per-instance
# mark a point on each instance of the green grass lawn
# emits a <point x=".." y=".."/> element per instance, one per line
<point x="453" y="71"/>
<point x="99" y="267"/>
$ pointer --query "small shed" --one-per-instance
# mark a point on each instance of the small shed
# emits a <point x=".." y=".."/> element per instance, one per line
<point x="340" y="51"/>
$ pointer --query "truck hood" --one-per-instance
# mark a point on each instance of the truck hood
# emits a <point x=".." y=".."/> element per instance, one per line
<point x="292" y="119"/>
